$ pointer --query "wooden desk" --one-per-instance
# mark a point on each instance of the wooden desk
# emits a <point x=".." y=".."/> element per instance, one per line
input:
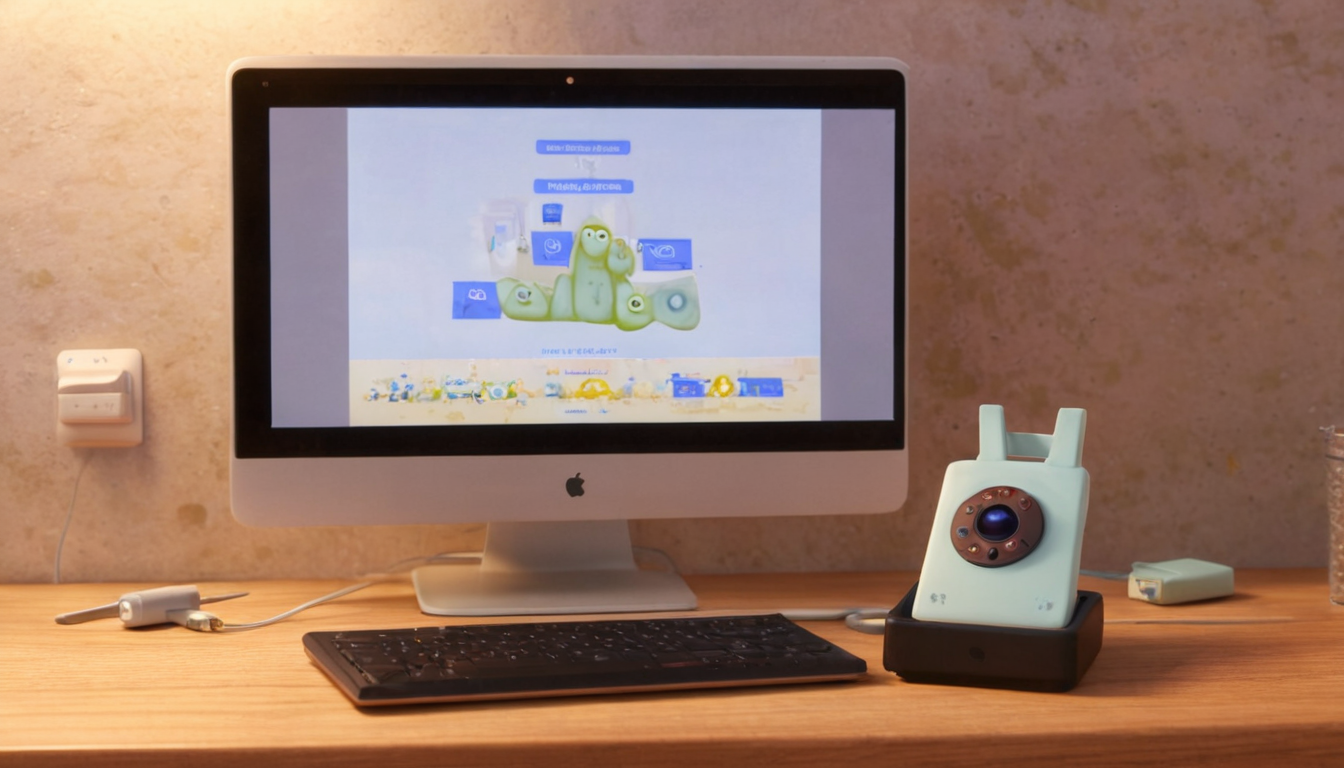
<point x="1170" y="694"/>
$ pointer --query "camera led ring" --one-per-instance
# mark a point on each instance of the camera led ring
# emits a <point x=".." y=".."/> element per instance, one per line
<point x="997" y="526"/>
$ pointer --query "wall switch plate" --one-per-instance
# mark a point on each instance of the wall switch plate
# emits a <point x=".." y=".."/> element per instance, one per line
<point x="100" y="398"/>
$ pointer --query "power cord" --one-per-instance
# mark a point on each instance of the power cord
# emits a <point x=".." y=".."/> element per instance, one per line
<point x="69" y="515"/>
<point x="870" y="621"/>
<point x="210" y="623"/>
<point x="1108" y="575"/>
<point x="206" y="622"/>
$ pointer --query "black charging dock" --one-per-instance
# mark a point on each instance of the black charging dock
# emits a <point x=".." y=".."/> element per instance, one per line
<point x="993" y="657"/>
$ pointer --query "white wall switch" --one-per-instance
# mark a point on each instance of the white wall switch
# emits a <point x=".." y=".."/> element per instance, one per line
<point x="100" y="398"/>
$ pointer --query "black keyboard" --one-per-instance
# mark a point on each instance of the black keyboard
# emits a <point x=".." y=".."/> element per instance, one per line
<point x="561" y="658"/>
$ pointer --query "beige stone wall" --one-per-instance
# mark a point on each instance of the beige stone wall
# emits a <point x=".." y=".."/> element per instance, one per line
<point x="1132" y="207"/>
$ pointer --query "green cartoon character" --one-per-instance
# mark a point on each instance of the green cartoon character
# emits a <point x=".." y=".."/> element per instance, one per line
<point x="593" y="283"/>
<point x="597" y="289"/>
<point x="524" y="301"/>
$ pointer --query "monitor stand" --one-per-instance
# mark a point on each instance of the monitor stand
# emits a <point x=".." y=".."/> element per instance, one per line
<point x="551" y="568"/>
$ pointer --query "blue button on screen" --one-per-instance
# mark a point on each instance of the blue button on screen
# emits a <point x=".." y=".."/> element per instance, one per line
<point x="760" y="387"/>
<point x="686" y="387"/>
<point x="552" y="249"/>
<point x="665" y="255"/>
<point x="475" y="300"/>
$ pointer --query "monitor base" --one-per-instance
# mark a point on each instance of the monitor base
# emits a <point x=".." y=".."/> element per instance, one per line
<point x="551" y="568"/>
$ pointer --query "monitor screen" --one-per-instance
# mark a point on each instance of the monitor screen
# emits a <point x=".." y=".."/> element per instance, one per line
<point x="543" y="290"/>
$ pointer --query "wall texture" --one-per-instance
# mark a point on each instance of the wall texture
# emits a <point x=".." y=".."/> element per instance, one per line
<point x="1132" y="207"/>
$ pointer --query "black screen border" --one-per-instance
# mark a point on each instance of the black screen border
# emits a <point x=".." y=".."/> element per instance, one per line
<point x="254" y="91"/>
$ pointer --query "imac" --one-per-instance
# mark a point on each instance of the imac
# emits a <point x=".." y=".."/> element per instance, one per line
<point x="557" y="294"/>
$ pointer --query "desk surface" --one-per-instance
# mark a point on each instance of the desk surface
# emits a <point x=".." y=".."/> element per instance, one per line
<point x="1172" y="694"/>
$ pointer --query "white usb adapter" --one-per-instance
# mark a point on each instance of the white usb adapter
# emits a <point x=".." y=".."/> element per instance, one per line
<point x="1179" y="581"/>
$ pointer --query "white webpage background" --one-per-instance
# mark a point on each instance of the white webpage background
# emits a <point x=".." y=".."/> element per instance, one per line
<point x="743" y="185"/>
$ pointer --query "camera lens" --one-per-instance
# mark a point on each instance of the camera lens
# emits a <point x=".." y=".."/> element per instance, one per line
<point x="997" y="526"/>
<point x="996" y="523"/>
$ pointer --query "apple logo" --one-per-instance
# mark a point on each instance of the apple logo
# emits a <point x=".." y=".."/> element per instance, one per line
<point x="574" y="485"/>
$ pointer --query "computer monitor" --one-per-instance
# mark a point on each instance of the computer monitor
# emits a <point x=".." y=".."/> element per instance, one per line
<point x="556" y="294"/>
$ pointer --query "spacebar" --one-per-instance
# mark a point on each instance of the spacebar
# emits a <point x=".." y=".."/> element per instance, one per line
<point x="522" y="669"/>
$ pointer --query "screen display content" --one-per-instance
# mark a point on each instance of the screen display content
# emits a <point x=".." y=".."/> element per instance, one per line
<point x="665" y="268"/>
<point x="437" y="264"/>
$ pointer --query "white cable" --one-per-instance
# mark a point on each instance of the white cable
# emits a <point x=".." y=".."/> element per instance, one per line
<point x="870" y="621"/>
<point x="1111" y="575"/>
<point x="669" y="564"/>
<point x="411" y="562"/>
<point x="291" y="611"/>
<point x="206" y="622"/>
<point x="858" y="619"/>
<point x="69" y="514"/>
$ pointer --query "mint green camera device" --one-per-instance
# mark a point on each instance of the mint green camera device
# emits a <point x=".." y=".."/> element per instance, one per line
<point x="1008" y="532"/>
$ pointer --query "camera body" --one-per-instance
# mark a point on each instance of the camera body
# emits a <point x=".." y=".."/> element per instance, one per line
<point x="1008" y="534"/>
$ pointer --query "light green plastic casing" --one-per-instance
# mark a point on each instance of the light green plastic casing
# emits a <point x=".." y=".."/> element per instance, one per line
<point x="1179" y="581"/>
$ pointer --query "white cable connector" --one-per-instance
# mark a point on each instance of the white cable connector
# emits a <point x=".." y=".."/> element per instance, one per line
<point x="182" y="604"/>
<point x="150" y="607"/>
